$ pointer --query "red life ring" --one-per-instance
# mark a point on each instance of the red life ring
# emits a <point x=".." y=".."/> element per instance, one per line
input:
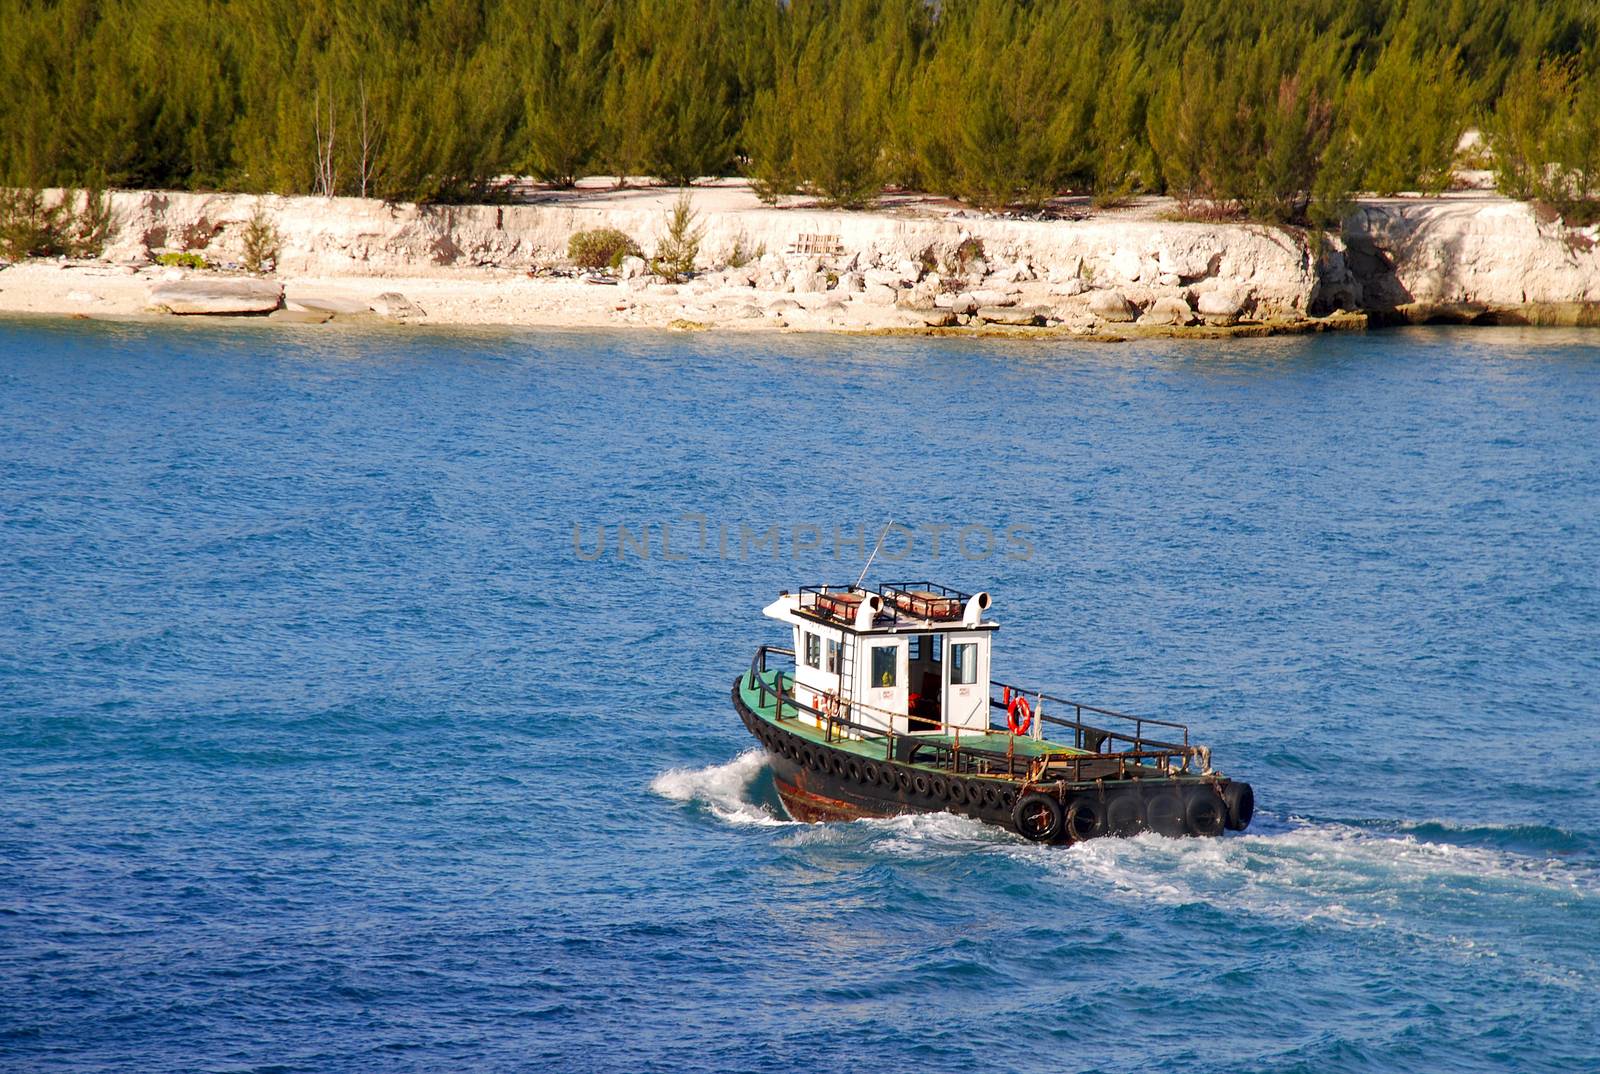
<point x="1019" y="727"/>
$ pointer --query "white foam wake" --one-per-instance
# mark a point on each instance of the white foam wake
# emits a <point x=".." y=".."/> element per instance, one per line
<point x="724" y="789"/>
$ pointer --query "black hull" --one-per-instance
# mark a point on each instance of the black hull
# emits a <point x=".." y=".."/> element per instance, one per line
<point x="820" y="783"/>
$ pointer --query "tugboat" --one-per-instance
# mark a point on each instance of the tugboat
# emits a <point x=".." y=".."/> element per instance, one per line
<point x="888" y="708"/>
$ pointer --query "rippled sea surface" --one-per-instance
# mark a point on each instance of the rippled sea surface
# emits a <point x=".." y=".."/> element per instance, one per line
<point x="324" y="747"/>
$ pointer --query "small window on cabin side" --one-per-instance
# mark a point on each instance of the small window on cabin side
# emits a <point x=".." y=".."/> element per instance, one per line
<point x="938" y="645"/>
<point x="813" y="651"/>
<point x="916" y="647"/>
<point x="964" y="663"/>
<point x="884" y="665"/>
<point x="833" y="656"/>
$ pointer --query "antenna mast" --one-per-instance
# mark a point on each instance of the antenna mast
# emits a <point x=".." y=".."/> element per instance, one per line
<point x="874" y="555"/>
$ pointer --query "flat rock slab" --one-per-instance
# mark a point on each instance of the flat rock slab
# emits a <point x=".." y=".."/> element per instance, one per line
<point x="1010" y="315"/>
<point x="228" y="298"/>
<point x="295" y="299"/>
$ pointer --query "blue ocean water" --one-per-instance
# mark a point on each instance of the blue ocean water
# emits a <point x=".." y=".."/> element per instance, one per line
<point x="330" y="740"/>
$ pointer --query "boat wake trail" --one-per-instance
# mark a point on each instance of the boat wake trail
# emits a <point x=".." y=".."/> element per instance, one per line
<point x="739" y="791"/>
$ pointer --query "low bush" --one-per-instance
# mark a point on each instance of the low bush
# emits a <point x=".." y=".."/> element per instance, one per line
<point x="29" y="227"/>
<point x="183" y="260"/>
<point x="677" y="249"/>
<point x="600" y="248"/>
<point x="261" y="243"/>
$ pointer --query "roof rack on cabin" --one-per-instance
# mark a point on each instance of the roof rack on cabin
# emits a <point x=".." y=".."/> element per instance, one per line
<point x="924" y="600"/>
<point x="832" y="601"/>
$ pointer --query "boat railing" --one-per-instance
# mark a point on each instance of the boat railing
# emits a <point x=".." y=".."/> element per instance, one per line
<point x="1091" y="737"/>
<point x="1097" y="763"/>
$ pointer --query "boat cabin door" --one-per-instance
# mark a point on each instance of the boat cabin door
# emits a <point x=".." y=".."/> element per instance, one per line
<point x="886" y="675"/>
<point x="966" y="692"/>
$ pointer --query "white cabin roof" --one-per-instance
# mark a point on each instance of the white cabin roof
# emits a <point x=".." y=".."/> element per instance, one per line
<point x="893" y="608"/>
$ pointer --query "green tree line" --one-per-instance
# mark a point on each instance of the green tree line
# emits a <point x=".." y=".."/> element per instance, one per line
<point x="1276" y="109"/>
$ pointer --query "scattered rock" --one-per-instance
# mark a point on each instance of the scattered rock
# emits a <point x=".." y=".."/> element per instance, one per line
<point x="1111" y="306"/>
<point x="631" y="267"/>
<point x="1168" y="311"/>
<point x="1071" y="285"/>
<point x="82" y="296"/>
<point x="852" y="282"/>
<point x="937" y="318"/>
<point x="783" y="304"/>
<point x="963" y="303"/>
<point x="883" y="278"/>
<point x="396" y="307"/>
<point x="217" y="297"/>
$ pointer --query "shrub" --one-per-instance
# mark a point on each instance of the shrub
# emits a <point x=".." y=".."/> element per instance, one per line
<point x="677" y="249"/>
<point x="600" y="248"/>
<point x="30" y="228"/>
<point x="741" y="253"/>
<point x="183" y="260"/>
<point x="261" y="243"/>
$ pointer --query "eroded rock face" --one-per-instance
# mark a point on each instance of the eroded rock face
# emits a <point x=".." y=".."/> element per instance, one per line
<point x="1454" y="251"/>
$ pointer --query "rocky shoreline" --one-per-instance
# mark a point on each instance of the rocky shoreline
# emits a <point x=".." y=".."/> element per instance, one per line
<point x="914" y="265"/>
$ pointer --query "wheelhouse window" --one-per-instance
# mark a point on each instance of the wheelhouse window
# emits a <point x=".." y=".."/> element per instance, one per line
<point x="916" y="647"/>
<point x="813" y="651"/>
<point x="964" y="663"/>
<point x="833" y="657"/>
<point x="885" y="665"/>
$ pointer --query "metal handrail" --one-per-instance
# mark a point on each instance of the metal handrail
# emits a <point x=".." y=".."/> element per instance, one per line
<point x="978" y="759"/>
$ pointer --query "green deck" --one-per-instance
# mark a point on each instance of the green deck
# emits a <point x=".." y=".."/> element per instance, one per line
<point x="998" y="741"/>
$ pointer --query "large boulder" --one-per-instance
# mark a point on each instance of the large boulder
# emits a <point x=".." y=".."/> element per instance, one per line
<point x="1111" y="306"/>
<point x="965" y="302"/>
<point x="1168" y="311"/>
<point x="879" y="294"/>
<point x="223" y="297"/>
<point x="995" y="297"/>
<point x="807" y="282"/>
<point x="1222" y="306"/>
<point x="397" y="307"/>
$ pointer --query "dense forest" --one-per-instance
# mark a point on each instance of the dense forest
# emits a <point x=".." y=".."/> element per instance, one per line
<point x="1276" y="109"/>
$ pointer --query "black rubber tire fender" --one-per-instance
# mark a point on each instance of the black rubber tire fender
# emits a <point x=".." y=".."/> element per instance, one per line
<point x="1204" y="811"/>
<point x="889" y="777"/>
<point x="1163" y="812"/>
<point x="904" y="780"/>
<point x="869" y="772"/>
<point x="1240" y="799"/>
<point x="1086" y="818"/>
<point x="1125" y="814"/>
<point x="958" y="792"/>
<point x="854" y="770"/>
<point x="1037" y="817"/>
<point x="921" y="784"/>
<point x="939" y="788"/>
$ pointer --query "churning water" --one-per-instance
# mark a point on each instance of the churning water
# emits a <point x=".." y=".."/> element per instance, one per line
<point x="333" y="739"/>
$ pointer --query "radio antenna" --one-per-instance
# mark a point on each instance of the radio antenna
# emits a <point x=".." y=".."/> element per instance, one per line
<point x="874" y="555"/>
